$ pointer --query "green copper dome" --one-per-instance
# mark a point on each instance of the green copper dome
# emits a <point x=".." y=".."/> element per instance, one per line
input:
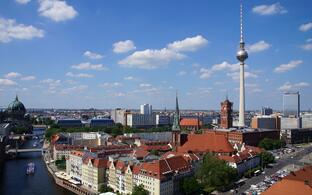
<point x="16" y="107"/>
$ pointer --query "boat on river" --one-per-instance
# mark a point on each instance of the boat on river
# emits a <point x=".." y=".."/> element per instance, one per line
<point x="30" y="168"/>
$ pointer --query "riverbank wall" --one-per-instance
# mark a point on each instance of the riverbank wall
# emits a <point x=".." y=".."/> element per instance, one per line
<point x="67" y="185"/>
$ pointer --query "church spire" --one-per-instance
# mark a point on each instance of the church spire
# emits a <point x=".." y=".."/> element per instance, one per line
<point x="16" y="98"/>
<point x="176" y="118"/>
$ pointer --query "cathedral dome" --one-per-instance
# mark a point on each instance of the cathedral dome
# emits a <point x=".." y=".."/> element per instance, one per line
<point x="16" y="107"/>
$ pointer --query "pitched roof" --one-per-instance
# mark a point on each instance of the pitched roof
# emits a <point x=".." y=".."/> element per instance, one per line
<point x="96" y="162"/>
<point x="208" y="142"/>
<point x="140" y="153"/>
<point x="161" y="168"/>
<point x="190" y="122"/>
<point x="299" y="183"/>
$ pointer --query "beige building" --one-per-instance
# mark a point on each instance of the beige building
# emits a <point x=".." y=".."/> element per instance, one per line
<point x="161" y="177"/>
<point x="74" y="164"/>
<point x="93" y="173"/>
<point x="63" y="150"/>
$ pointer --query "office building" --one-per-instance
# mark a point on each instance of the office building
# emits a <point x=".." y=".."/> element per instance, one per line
<point x="266" y="111"/>
<point x="162" y="120"/>
<point x="291" y="104"/>
<point x="266" y="122"/>
<point x="306" y="120"/>
<point x="296" y="136"/>
<point x="141" y="120"/>
<point x="290" y="123"/>
<point x="119" y="115"/>
<point x="146" y="109"/>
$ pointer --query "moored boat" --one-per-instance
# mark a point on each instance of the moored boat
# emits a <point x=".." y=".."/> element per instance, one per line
<point x="30" y="168"/>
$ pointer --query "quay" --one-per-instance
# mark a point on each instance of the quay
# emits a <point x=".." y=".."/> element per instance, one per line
<point x="80" y="190"/>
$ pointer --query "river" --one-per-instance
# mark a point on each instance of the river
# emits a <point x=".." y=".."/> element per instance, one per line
<point x="14" y="181"/>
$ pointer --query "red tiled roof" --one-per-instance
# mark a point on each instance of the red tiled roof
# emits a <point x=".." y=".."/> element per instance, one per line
<point x="161" y="168"/>
<point x="77" y="153"/>
<point x="67" y="147"/>
<point x="239" y="157"/>
<point x="120" y="165"/>
<point x="208" y="142"/>
<point x="140" y="153"/>
<point x="190" y="122"/>
<point x="100" y="163"/>
<point x="299" y="183"/>
<point x="96" y="162"/>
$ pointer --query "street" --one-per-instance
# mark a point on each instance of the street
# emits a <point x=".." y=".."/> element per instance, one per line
<point x="288" y="160"/>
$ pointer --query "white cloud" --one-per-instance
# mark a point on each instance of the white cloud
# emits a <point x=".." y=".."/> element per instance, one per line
<point x="119" y="94"/>
<point x="7" y="82"/>
<point x="309" y="40"/>
<point x="111" y="85"/>
<point x="123" y="46"/>
<point x="258" y="47"/>
<point x="10" y="30"/>
<point x="92" y="55"/>
<point x="307" y="46"/>
<point x="145" y="85"/>
<point x="182" y="73"/>
<point x="206" y="73"/>
<point x="155" y="58"/>
<point x="12" y="75"/>
<point x="79" y="75"/>
<point x="89" y="66"/>
<point x="286" y="67"/>
<point x="150" y="59"/>
<point x="305" y="27"/>
<point x="130" y="78"/>
<point x="226" y="66"/>
<point x="253" y="88"/>
<point x="75" y="89"/>
<point x="52" y="84"/>
<point x="22" y="1"/>
<point x="188" y="44"/>
<point x="290" y="87"/>
<point x="56" y="10"/>
<point x="28" y="78"/>
<point x="275" y="8"/>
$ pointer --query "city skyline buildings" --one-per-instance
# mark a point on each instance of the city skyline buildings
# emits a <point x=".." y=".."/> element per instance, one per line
<point x="55" y="68"/>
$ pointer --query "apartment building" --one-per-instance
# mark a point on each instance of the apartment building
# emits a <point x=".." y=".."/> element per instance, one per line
<point x="93" y="173"/>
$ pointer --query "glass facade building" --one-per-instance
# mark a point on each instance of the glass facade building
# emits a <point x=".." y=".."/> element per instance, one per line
<point x="291" y="104"/>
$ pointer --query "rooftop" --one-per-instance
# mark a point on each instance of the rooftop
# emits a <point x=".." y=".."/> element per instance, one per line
<point x="299" y="183"/>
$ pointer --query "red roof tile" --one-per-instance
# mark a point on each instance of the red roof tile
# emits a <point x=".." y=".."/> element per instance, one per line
<point x="190" y="122"/>
<point x="299" y="183"/>
<point x="208" y="142"/>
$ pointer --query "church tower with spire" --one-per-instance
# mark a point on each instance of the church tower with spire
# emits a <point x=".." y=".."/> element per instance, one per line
<point x="176" y="130"/>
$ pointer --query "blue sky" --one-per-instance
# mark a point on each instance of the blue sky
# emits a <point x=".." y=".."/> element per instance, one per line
<point x="116" y="53"/>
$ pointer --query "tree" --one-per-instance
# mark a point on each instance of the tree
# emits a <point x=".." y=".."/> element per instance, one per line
<point x="266" y="158"/>
<point x="105" y="188"/>
<point x="215" y="174"/>
<point x="190" y="185"/>
<point x="271" y="144"/>
<point x="154" y="152"/>
<point x="139" y="190"/>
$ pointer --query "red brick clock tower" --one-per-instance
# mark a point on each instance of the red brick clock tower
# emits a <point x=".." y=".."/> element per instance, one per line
<point x="226" y="114"/>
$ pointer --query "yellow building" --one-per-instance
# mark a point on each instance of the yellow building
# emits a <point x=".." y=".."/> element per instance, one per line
<point x="93" y="173"/>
